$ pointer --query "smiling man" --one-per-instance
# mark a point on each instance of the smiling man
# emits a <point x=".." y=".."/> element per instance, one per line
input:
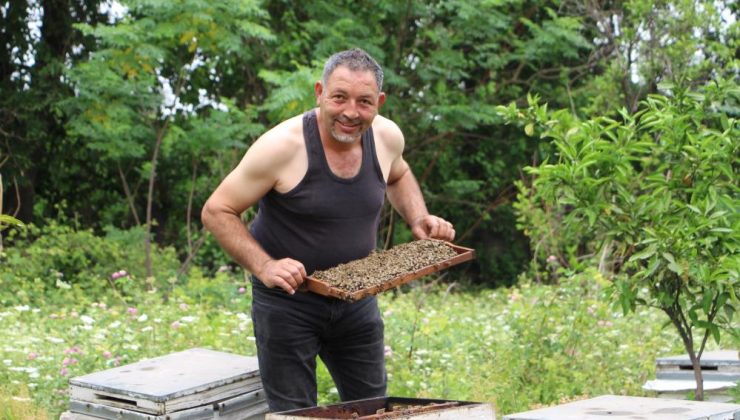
<point x="320" y="180"/>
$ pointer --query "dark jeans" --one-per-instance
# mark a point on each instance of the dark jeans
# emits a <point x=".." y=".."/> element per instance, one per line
<point x="291" y="330"/>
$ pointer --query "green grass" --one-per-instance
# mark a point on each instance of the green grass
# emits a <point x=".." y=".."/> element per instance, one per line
<point x="517" y="348"/>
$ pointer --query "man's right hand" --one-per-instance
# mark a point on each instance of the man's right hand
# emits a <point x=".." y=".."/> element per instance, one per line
<point x="286" y="274"/>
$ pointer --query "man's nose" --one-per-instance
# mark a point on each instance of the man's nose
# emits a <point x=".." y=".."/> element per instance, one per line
<point x="350" y="111"/>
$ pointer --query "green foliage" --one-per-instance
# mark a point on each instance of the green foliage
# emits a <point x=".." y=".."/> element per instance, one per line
<point x="293" y="92"/>
<point x="652" y="199"/>
<point x="649" y="42"/>
<point x="207" y="78"/>
<point x="518" y="347"/>
<point x="58" y="262"/>
<point x="7" y="220"/>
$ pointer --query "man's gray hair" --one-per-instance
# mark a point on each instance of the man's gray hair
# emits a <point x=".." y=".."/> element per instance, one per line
<point x="355" y="59"/>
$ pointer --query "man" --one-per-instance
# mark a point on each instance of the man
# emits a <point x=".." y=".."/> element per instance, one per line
<point x="320" y="179"/>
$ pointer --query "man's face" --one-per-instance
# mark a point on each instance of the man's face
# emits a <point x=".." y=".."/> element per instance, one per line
<point x="348" y="103"/>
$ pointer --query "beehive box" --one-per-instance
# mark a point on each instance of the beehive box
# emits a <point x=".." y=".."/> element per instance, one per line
<point x="675" y="375"/>
<point x="192" y="384"/>
<point x="248" y="406"/>
<point x="392" y="408"/>
<point x="628" y="408"/>
<point x="721" y="365"/>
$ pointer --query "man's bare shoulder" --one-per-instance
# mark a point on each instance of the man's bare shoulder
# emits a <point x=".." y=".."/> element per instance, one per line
<point x="388" y="133"/>
<point x="281" y="141"/>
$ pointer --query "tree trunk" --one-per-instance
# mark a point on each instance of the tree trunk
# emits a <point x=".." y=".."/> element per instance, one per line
<point x="698" y="376"/>
<point x="149" y="202"/>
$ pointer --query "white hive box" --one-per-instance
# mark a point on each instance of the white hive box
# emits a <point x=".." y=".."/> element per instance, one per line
<point x="192" y="384"/>
<point x="628" y="408"/>
<point x="675" y="375"/>
<point x="392" y="407"/>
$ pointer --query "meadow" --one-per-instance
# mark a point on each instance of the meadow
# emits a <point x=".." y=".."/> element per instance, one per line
<point x="519" y="348"/>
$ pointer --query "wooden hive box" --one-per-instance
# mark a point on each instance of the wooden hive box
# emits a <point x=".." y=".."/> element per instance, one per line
<point x="721" y="365"/>
<point x="382" y="408"/>
<point x="675" y="376"/>
<point x="628" y="408"/>
<point x="192" y="383"/>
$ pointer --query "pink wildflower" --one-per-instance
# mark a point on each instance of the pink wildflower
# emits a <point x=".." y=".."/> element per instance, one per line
<point x="184" y="306"/>
<point x="32" y="355"/>
<point x="107" y="354"/>
<point x="175" y="325"/>
<point x="242" y="290"/>
<point x="69" y="361"/>
<point x="119" y="274"/>
<point x="388" y="351"/>
<point x="64" y="371"/>
<point x="132" y="311"/>
<point x="73" y="350"/>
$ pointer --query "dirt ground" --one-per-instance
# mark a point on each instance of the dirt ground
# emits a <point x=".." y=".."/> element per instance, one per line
<point x="382" y="266"/>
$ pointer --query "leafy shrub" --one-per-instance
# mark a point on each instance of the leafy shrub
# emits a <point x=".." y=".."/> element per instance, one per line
<point x="652" y="200"/>
<point x="61" y="258"/>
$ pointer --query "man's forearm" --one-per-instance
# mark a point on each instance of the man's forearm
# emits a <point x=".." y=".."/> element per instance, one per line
<point x="235" y="239"/>
<point x="405" y="196"/>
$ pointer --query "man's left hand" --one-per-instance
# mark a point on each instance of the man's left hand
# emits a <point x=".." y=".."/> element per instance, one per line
<point x="433" y="227"/>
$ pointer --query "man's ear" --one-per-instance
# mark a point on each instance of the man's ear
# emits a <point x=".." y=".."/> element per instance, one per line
<point x="318" y="89"/>
<point x="381" y="99"/>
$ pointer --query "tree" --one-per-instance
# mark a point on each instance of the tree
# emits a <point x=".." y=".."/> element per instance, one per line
<point x="653" y="197"/>
<point x="36" y="43"/>
<point x="151" y="81"/>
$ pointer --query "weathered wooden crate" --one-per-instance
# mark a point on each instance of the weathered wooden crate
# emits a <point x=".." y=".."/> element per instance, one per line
<point x="722" y="365"/>
<point x="194" y="380"/>
<point x="621" y="407"/>
<point x="392" y="408"/>
<point x="675" y="375"/>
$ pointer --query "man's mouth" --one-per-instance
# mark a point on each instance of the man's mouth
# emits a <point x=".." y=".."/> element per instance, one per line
<point x="347" y="126"/>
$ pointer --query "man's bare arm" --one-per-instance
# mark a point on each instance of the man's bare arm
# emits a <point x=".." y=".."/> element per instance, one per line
<point x="255" y="175"/>
<point x="405" y="196"/>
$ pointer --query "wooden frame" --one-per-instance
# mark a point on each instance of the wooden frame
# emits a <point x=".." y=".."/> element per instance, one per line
<point x="321" y="287"/>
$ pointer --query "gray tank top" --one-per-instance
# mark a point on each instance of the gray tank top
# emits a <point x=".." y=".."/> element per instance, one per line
<point x="325" y="220"/>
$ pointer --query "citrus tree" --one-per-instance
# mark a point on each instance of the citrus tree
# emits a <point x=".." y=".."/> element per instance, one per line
<point x="652" y="198"/>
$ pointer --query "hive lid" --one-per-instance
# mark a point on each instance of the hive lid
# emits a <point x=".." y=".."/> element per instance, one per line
<point x="627" y="408"/>
<point x="174" y="375"/>
<point x="709" y="358"/>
